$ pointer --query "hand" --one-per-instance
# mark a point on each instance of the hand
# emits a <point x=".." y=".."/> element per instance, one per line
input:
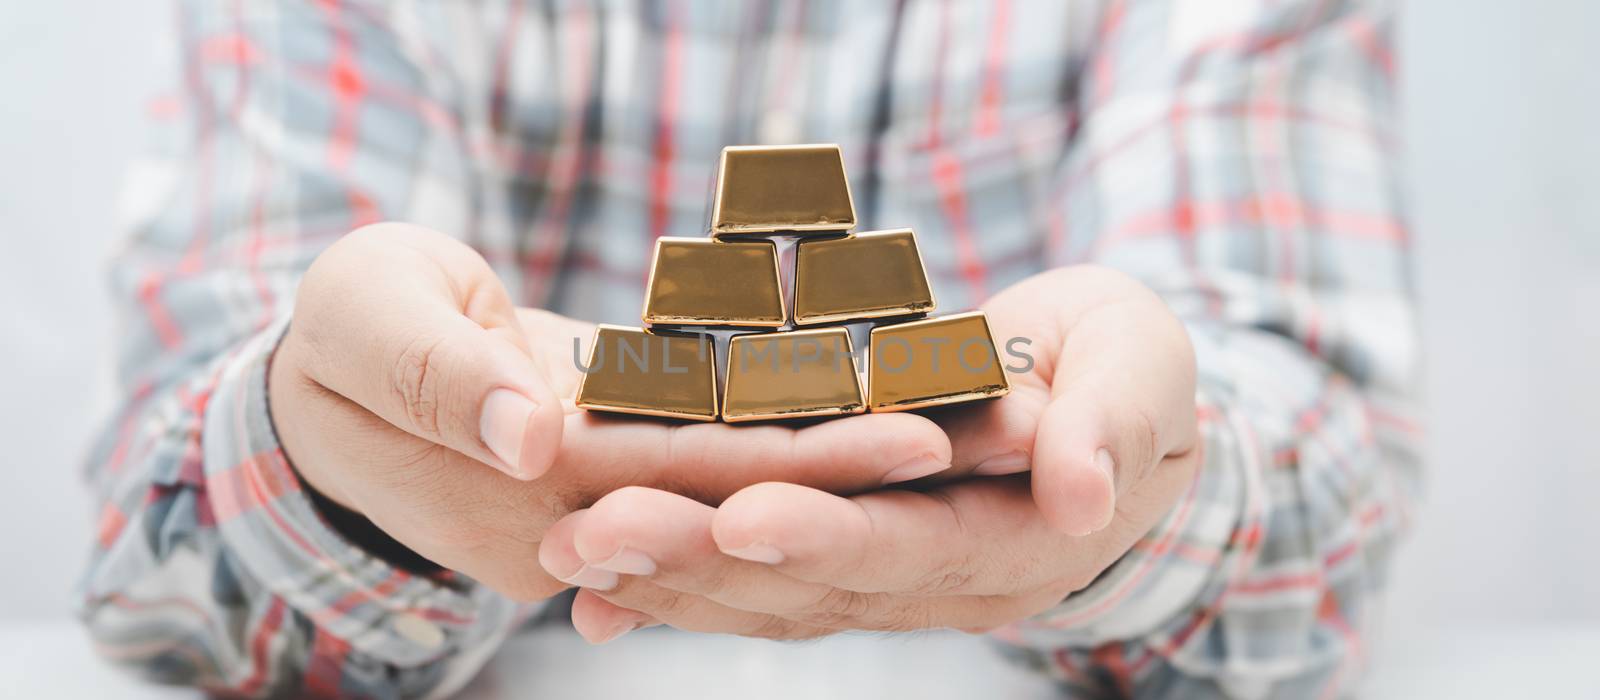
<point x="1104" y="420"/>
<point x="410" y="390"/>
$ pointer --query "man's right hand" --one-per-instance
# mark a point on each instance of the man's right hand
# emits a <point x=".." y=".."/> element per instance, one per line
<point x="410" y="389"/>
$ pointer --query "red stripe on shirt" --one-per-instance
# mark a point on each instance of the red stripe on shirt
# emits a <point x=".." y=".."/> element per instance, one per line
<point x="150" y="297"/>
<point x="260" y="660"/>
<point x="348" y="86"/>
<point x="325" y="669"/>
<point x="948" y="179"/>
<point x="666" y="115"/>
<point x="994" y="70"/>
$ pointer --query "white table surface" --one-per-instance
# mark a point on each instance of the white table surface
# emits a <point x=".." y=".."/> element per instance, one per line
<point x="49" y="660"/>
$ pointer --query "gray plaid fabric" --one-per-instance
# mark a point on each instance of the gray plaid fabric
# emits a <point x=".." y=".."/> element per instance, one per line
<point x="1237" y="157"/>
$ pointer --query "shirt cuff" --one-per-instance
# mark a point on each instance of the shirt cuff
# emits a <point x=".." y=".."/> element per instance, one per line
<point x="1172" y="571"/>
<point x="272" y="528"/>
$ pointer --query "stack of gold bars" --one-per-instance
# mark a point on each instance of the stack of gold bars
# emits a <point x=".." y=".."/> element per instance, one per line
<point x="786" y="345"/>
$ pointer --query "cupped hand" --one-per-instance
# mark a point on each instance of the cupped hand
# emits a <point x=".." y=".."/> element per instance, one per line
<point x="410" y="390"/>
<point x="1103" y="422"/>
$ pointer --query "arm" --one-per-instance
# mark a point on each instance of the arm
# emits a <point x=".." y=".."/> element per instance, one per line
<point x="1246" y="174"/>
<point x="212" y="565"/>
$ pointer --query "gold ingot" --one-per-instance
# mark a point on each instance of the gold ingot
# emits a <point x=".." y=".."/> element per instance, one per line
<point x="704" y="282"/>
<point x="764" y="189"/>
<point x="791" y="375"/>
<point x="933" y="362"/>
<point x="632" y="370"/>
<point x="867" y="275"/>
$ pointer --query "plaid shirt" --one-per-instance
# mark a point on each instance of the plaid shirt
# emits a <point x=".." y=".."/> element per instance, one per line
<point x="1237" y="157"/>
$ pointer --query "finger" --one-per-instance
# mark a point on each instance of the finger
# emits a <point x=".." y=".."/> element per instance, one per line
<point x="556" y="343"/>
<point x="696" y="613"/>
<point x="1123" y="399"/>
<point x="636" y="593"/>
<point x="709" y="461"/>
<point x="667" y="538"/>
<point x="979" y="537"/>
<point x="693" y="613"/>
<point x="993" y="438"/>
<point x="416" y="328"/>
<point x="599" y="621"/>
<point x="559" y="557"/>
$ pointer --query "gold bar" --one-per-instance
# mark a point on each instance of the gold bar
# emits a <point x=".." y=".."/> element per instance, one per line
<point x="705" y="282"/>
<point x="764" y="189"/>
<point x="868" y="275"/>
<point x="934" y="362"/>
<point x="637" y="371"/>
<point x="791" y="375"/>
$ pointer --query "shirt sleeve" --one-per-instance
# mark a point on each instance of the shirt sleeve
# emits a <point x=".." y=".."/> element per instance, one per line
<point x="1239" y="158"/>
<point x="297" y="122"/>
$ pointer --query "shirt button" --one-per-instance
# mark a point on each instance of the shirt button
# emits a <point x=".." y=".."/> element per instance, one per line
<point x="421" y="632"/>
<point x="779" y="126"/>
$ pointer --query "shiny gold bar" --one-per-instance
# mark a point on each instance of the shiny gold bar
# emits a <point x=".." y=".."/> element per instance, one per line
<point x="791" y="375"/>
<point x="868" y="275"/>
<point x="933" y="362"/>
<point x="705" y="282"/>
<point x="764" y="189"/>
<point x="653" y="374"/>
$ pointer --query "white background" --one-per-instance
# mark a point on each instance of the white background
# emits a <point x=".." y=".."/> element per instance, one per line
<point x="1502" y="105"/>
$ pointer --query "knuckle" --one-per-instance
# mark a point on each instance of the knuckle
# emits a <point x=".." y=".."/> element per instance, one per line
<point x="666" y="604"/>
<point x="944" y="582"/>
<point x="838" y="608"/>
<point x="416" y="380"/>
<point x="774" y="627"/>
<point x="952" y="574"/>
<point x="904" y="618"/>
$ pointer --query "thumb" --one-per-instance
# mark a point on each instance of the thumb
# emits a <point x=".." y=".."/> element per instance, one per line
<point x="416" y="328"/>
<point x="1090" y="448"/>
<point x="1124" y="403"/>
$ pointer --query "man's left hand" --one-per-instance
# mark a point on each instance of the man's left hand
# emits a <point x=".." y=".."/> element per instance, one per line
<point x="1102" y="422"/>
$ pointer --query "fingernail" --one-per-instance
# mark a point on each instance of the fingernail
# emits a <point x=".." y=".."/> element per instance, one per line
<point x="628" y="561"/>
<point x="503" y="423"/>
<point x="915" y="468"/>
<point x="593" y="578"/>
<point x="760" y="552"/>
<point x="618" y="631"/>
<point x="1008" y="463"/>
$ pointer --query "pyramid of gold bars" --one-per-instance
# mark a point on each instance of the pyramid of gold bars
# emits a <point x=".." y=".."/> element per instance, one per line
<point x="786" y="349"/>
